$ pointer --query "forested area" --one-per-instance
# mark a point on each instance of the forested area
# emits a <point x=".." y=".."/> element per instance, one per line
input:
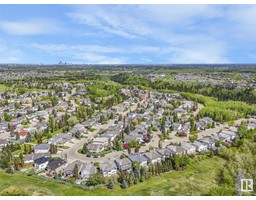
<point x="221" y="111"/>
<point x="240" y="163"/>
<point x="224" y="94"/>
<point x="246" y="95"/>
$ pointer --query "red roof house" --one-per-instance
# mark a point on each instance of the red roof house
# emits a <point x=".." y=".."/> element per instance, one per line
<point x="23" y="134"/>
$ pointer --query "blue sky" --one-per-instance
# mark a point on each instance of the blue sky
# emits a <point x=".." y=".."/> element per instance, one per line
<point x="115" y="34"/>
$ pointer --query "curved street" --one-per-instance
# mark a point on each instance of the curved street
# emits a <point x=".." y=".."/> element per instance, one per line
<point x="72" y="152"/>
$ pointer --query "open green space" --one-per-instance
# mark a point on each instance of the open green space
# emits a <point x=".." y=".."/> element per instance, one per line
<point x="196" y="179"/>
<point x="3" y="87"/>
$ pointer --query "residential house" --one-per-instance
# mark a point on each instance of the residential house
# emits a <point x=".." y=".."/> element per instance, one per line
<point x="111" y="135"/>
<point x="3" y="143"/>
<point x="203" y="123"/>
<point x="185" y="130"/>
<point x="90" y="123"/>
<point x="23" y="134"/>
<point x="188" y="147"/>
<point x="95" y="148"/>
<point x="124" y="164"/>
<point x="176" y="150"/>
<point x="200" y="146"/>
<point x="41" y="163"/>
<point x="251" y="125"/>
<point x="41" y="126"/>
<point x="183" y="119"/>
<point x="42" y="148"/>
<point x="60" y="139"/>
<point x="118" y="107"/>
<point x="85" y="170"/>
<point x="133" y="137"/>
<point x="165" y="153"/>
<point x="188" y="105"/>
<point x="131" y="115"/>
<point x="55" y="164"/>
<point x="138" y="157"/>
<point x="104" y="141"/>
<point x="176" y="127"/>
<point x="29" y="158"/>
<point x="180" y="111"/>
<point x="224" y="137"/>
<point x="153" y="157"/>
<point x="215" y="137"/>
<point x="68" y="171"/>
<point x="108" y="168"/>
<point x="80" y="127"/>
<point x="31" y="129"/>
<point x="209" y="141"/>
<point x="232" y="134"/>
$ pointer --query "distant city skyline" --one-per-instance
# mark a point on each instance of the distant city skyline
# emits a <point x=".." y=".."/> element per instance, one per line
<point x="127" y="34"/>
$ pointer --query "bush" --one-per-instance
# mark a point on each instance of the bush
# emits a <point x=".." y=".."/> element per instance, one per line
<point x="31" y="172"/>
<point x="8" y="170"/>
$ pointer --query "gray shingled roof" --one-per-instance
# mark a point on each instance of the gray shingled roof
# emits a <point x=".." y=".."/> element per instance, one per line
<point x="137" y="157"/>
<point x="42" y="146"/>
<point x="153" y="155"/>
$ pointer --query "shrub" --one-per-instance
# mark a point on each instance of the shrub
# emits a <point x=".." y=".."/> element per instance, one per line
<point x="31" y="172"/>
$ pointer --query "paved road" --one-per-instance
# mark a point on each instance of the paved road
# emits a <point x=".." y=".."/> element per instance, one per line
<point x="5" y="135"/>
<point x="200" y="106"/>
<point x="72" y="153"/>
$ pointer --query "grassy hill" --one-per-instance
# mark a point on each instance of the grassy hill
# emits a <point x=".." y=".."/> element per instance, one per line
<point x="196" y="179"/>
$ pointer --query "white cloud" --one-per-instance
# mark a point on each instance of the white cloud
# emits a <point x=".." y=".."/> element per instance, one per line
<point x="110" y="20"/>
<point x="29" y="27"/>
<point x="180" y="32"/>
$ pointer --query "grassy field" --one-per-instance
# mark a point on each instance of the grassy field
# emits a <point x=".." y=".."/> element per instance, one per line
<point x="3" y="87"/>
<point x="194" y="180"/>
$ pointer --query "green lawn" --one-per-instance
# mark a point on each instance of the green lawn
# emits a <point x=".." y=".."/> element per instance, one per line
<point x="194" y="180"/>
<point x="3" y="88"/>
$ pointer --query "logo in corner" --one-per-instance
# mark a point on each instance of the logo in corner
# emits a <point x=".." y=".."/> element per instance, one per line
<point x="247" y="185"/>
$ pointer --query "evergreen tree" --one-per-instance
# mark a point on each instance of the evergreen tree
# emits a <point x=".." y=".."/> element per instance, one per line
<point x="28" y="137"/>
<point x="163" y="126"/>
<point x="176" y="161"/>
<point x="242" y="130"/>
<point x="192" y="123"/>
<point x="21" y="157"/>
<point x="84" y="149"/>
<point x="175" y="117"/>
<point x="124" y="184"/>
<point x="111" y="184"/>
<point x="129" y="150"/>
<point x="30" y="149"/>
<point x="76" y="171"/>
<point x="17" y="136"/>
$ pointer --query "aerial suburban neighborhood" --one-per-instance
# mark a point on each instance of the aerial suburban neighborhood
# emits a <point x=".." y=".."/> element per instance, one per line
<point x="127" y="100"/>
<point x="84" y="133"/>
